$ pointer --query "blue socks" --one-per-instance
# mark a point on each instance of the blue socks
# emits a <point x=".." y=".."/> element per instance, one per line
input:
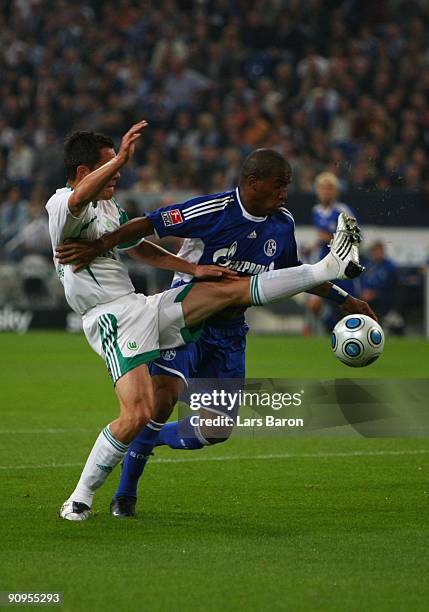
<point x="178" y="435"/>
<point x="181" y="435"/>
<point x="136" y="458"/>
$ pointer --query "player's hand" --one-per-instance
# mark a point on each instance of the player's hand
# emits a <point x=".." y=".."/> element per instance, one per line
<point x="128" y="144"/>
<point x="212" y="272"/>
<point x="368" y="294"/>
<point x="353" y="305"/>
<point x="80" y="253"/>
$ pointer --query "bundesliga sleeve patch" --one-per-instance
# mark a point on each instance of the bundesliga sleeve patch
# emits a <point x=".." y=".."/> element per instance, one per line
<point x="172" y="217"/>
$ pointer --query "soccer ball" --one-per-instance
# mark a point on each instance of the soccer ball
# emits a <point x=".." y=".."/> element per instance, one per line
<point x="357" y="340"/>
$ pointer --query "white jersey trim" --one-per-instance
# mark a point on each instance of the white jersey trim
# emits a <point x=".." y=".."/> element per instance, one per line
<point x="210" y="209"/>
<point x="287" y="212"/>
<point x="244" y="212"/>
<point x="172" y="371"/>
<point x="203" y="205"/>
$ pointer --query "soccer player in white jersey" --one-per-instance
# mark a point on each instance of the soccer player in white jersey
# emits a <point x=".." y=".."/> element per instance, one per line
<point x="127" y="329"/>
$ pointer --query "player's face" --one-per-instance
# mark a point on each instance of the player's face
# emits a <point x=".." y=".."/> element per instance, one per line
<point x="327" y="192"/>
<point x="272" y="193"/>
<point x="106" y="155"/>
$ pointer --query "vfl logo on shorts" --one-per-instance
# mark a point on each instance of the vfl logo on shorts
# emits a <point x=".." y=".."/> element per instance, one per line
<point x="172" y="217"/>
<point x="168" y="355"/>
<point x="270" y="247"/>
<point x="132" y="345"/>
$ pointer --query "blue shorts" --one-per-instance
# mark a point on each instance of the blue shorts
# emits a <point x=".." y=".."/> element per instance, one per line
<point x="220" y="352"/>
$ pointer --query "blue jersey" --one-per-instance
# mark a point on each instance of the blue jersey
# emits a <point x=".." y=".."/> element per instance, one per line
<point x="218" y="230"/>
<point x="381" y="276"/>
<point x="326" y="219"/>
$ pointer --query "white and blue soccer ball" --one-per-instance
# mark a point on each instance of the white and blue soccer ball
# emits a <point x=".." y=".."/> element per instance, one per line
<point x="357" y="340"/>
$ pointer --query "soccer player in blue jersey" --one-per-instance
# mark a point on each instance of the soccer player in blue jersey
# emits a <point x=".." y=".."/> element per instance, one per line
<point x="246" y="230"/>
<point x="325" y="217"/>
<point x="327" y="210"/>
<point x="380" y="282"/>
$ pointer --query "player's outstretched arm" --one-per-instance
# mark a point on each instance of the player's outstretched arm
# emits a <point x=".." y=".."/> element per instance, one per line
<point x="94" y="182"/>
<point x="82" y="252"/>
<point x="347" y="303"/>
<point x="154" y="255"/>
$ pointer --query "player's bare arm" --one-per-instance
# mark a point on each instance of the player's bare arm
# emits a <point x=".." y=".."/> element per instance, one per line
<point x="87" y="188"/>
<point x="351" y="305"/>
<point x="84" y="251"/>
<point x="154" y="255"/>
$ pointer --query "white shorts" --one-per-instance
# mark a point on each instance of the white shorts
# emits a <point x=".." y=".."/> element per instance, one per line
<point x="133" y="329"/>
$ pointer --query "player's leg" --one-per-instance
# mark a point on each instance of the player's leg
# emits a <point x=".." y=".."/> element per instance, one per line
<point x="222" y="360"/>
<point x="169" y="373"/>
<point x="182" y="310"/>
<point x="166" y="392"/>
<point x="207" y="298"/>
<point x="212" y="357"/>
<point x="135" y="395"/>
<point x="126" y="336"/>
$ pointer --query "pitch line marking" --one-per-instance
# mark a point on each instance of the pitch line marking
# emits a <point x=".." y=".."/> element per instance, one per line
<point x="238" y="458"/>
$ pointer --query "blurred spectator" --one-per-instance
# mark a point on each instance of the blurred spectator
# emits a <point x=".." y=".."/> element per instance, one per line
<point x="346" y="94"/>
<point x="20" y="163"/>
<point x="226" y="76"/>
<point x="131" y="208"/>
<point x="13" y="214"/>
<point x="379" y="281"/>
<point x="327" y="210"/>
<point x="325" y="217"/>
<point x="33" y="234"/>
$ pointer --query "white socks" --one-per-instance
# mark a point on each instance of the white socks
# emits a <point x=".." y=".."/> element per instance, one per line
<point x="278" y="284"/>
<point x="106" y="453"/>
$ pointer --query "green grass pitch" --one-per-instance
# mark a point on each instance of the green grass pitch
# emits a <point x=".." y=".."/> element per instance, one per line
<point x="273" y="524"/>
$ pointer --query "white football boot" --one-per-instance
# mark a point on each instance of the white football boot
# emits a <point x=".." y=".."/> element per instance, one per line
<point x="74" y="511"/>
<point x="344" y="248"/>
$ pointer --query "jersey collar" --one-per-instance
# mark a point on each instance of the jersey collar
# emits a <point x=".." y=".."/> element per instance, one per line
<point x="244" y="212"/>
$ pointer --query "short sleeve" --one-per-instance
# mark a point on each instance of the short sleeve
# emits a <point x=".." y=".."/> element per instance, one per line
<point x="62" y="223"/>
<point x="190" y="219"/>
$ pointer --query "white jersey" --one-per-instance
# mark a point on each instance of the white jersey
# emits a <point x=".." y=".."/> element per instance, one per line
<point x="107" y="278"/>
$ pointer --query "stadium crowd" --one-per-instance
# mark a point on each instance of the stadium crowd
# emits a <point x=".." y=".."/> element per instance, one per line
<point x="334" y="85"/>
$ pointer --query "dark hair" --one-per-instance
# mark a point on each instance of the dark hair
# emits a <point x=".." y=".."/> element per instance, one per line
<point x="83" y="149"/>
<point x="264" y="163"/>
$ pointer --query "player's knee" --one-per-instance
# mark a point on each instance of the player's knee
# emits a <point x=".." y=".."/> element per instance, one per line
<point x="237" y="292"/>
<point x="226" y="292"/>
